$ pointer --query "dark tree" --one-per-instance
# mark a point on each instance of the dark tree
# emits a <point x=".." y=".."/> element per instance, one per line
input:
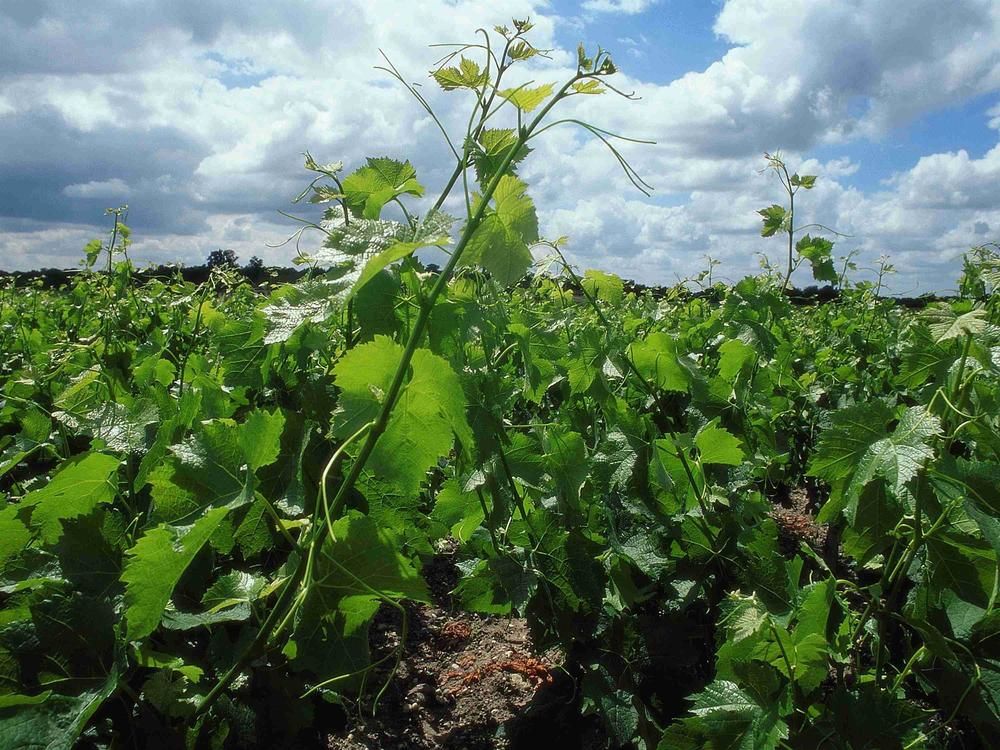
<point x="254" y="269"/>
<point x="221" y="258"/>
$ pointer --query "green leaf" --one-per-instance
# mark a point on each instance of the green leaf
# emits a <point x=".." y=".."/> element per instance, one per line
<point x="256" y="532"/>
<point x="428" y="416"/>
<point x="521" y="51"/>
<point x="212" y="468"/>
<point x="381" y="180"/>
<point x="459" y="512"/>
<point x="499" y="250"/>
<point x="718" y="446"/>
<point x="526" y="99"/>
<point x="467" y="75"/>
<point x="364" y="376"/>
<point x="658" y="361"/>
<point x="154" y="566"/>
<point x="775" y="220"/>
<point x="53" y="723"/>
<point x="174" y="619"/>
<point x="432" y="231"/>
<point x="260" y="438"/>
<point x="92" y="251"/>
<point x="14" y="535"/>
<point x="78" y="487"/>
<point x="495" y="145"/>
<point x="358" y="566"/>
<point x="874" y="518"/>
<point x="923" y="359"/>
<point x="842" y="445"/>
<point x="604" y="286"/>
<point x="962" y="564"/>
<point x="726" y="717"/>
<point x="734" y="355"/>
<point x="500" y="242"/>
<point x="978" y="482"/>
<point x="515" y="208"/>
<point x="944" y="323"/>
<point x="818" y="251"/>
<point x="899" y="457"/>
<point x="243" y="348"/>
<point x="566" y="461"/>
<point x="588" y="87"/>
<point x="119" y="427"/>
<point x="744" y="616"/>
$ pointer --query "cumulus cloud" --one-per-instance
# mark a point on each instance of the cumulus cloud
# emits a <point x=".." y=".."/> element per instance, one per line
<point x="197" y="112"/>
<point x="113" y="188"/>
<point x="629" y="7"/>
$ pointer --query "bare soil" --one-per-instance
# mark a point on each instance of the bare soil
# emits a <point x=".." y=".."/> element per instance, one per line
<point x="464" y="681"/>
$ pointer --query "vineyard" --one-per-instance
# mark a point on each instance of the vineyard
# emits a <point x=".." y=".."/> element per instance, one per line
<point x="720" y="520"/>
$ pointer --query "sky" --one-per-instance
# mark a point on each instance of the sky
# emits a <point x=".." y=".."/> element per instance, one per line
<point x="196" y="114"/>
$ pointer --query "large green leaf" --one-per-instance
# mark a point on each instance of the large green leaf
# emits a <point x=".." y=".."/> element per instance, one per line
<point x="718" y="446"/>
<point x="216" y="465"/>
<point x="858" y="448"/>
<point x="898" y="457"/>
<point x="260" y="438"/>
<point x="78" y="487"/>
<point x="775" y="219"/>
<point x="500" y="242"/>
<point x="842" y="445"/>
<point x="944" y="323"/>
<point x="14" y="535"/>
<point x="381" y="180"/>
<point x="566" y="460"/>
<point x="527" y="98"/>
<point x="726" y="717"/>
<point x="50" y="721"/>
<point x="876" y="515"/>
<point x="431" y="231"/>
<point x="604" y="286"/>
<point x="459" y="513"/>
<point x="426" y="419"/>
<point x="358" y="566"/>
<point x="818" y="251"/>
<point x="154" y="566"/>
<point x="658" y="361"/>
<point x="495" y="145"/>
<point x="498" y="249"/>
<point x="734" y="356"/>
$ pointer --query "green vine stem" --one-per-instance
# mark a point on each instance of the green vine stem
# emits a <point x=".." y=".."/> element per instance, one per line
<point x="288" y="598"/>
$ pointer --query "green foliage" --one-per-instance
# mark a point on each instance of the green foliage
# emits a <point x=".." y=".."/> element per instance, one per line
<point x="777" y="219"/>
<point x="381" y="180"/>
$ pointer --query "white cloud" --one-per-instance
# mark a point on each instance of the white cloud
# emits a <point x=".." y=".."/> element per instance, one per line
<point x="629" y="7"/>
<point x="951" y="180"/>
<point x="113" y="188"/>
<point x="30" y="245"/>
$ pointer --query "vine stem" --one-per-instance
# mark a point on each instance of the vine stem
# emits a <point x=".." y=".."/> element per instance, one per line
<point x="381" y="422"/>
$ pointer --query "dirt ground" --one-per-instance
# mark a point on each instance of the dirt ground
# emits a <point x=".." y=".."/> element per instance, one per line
<point x="465" y="681"/>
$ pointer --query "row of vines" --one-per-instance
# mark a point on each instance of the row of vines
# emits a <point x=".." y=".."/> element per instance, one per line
<point x="744" y="524"/>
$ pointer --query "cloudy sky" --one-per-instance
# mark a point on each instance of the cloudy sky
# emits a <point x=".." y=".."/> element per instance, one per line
<point x="196" y="113"/>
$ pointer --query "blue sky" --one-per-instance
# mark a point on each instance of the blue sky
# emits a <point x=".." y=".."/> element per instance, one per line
<point x="196" y="113"/>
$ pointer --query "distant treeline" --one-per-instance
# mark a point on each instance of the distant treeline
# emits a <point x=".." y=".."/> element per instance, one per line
<point x="54" y="278"/>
